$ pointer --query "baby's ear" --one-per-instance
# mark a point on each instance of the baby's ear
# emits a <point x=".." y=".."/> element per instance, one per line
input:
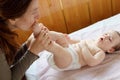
<point x="111" y="50"/>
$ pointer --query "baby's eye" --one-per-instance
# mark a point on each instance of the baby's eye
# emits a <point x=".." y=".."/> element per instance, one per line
<point x="106" y="34"/>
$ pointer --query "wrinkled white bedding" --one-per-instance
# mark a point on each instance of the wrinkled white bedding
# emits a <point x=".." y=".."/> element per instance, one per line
<point x="109" y="69"/>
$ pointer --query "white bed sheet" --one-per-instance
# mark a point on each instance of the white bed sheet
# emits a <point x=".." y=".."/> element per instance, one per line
<point x="109" y="69"/>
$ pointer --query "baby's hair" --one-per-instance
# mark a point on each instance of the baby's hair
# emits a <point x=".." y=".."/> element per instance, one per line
<point x="118" y="46"/>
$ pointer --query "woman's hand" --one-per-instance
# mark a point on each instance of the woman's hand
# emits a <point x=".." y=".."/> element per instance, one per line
<point x="37" y="28"/>
<point x="38" y="40"/>
<point x="38" y="43"/>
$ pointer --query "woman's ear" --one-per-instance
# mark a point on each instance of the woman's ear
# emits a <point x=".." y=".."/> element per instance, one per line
<point x="111" y="50"/>
<point x="12" y="21"/>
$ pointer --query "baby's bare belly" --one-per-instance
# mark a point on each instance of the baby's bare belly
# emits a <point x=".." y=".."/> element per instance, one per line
<point x="79" y="52"/>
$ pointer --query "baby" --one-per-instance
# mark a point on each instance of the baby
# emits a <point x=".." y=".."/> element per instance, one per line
<point x="75" y="53"/>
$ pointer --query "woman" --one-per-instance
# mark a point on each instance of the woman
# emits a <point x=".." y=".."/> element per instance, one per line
<point x="15" y="60"/>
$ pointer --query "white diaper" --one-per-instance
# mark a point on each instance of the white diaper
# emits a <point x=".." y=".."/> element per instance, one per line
<point x="74" y="64"/>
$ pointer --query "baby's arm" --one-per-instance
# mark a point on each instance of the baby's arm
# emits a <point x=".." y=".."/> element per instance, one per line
<point x="73" y="41"/>
<point x="90" y="59"/>
<point x="62" y="39"/>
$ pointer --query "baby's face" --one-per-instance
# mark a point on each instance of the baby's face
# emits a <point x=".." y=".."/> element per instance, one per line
<point x="109" y="40"/>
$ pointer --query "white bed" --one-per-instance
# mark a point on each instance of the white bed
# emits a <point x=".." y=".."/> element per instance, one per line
<point x="109" y="69"/>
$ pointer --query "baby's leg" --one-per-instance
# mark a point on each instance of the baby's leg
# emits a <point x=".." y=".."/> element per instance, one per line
<point x="59" y="38"/>
<point x="62" y="57"/>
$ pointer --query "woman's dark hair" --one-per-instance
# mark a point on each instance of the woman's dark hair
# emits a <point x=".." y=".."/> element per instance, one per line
<point x="10" y="9"/>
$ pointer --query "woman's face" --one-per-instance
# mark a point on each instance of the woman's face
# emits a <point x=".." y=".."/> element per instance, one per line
<point x="28" y="19"/>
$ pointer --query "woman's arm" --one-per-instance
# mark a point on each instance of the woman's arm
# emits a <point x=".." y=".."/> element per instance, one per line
<point x="20" y="53"/>
<point x="90" y="59"/>
<point x="16" y="71"/>
<point x="19" y="68"/>
<point x="5" y="73"/>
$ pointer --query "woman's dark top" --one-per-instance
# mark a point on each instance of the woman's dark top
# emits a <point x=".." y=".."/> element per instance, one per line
<point x="23" y="60"/>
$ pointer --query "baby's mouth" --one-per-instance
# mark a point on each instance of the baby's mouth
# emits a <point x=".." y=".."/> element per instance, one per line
<point x="101" y="38"/>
